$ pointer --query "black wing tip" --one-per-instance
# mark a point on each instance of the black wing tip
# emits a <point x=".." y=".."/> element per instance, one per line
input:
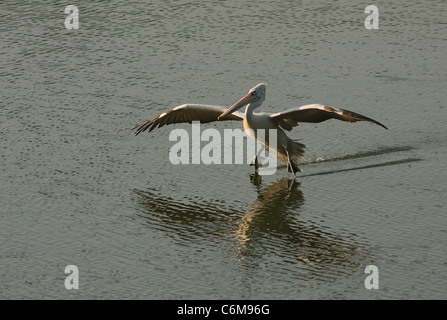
<point x="378" y="123"/>
<point x="142" y="127"/>
<point x="138" y="131"/>
<point x="137" y="128"/>
<point x="361" y="117"/>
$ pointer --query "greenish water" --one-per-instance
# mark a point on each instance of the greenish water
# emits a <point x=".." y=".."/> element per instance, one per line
<point x="78" y="188"/>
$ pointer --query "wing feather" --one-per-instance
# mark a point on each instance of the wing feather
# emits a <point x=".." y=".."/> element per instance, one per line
<point x="317" y="113"/>
<point x="187" y="113"/>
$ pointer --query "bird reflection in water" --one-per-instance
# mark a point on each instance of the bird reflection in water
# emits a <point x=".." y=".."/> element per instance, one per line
<point x="271" y="226"/>
<point x="273" y="221"/>
<point x="267" y="212"/>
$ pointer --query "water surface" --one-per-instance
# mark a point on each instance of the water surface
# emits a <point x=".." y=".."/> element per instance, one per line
<point x="78" y="188"/>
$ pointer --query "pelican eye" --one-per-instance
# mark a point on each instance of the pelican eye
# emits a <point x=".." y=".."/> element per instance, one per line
<point x="253" y="93"/>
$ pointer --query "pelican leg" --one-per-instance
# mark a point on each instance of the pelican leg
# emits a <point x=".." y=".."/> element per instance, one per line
<point x="257" y="165"/>
<point x="255" y="161"/>
<point x="291" y="166"/>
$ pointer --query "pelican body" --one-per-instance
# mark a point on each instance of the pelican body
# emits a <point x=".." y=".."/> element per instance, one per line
<point x="287" y="150"/>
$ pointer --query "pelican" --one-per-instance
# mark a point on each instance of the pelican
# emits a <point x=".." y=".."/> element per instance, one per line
<point x="287" y="150"/>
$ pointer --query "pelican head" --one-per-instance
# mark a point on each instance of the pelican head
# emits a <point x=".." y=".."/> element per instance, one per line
<point x="255" y="97"/>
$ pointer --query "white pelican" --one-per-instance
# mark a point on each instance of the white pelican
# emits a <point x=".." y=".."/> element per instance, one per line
<point x="288" y="150"/>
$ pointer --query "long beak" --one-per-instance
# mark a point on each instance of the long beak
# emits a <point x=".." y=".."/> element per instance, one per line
<point x="244" y="101"/>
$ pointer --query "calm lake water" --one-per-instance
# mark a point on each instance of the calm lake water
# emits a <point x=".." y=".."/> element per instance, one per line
<point x="78" y="188"/>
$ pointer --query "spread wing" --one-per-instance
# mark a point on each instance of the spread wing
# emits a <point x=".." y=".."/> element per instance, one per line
<point x="317" y="113"/>
<point x="187" y="113"/>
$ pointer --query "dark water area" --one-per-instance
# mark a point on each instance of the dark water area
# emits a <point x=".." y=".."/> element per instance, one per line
<point x="79" y="188"/>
